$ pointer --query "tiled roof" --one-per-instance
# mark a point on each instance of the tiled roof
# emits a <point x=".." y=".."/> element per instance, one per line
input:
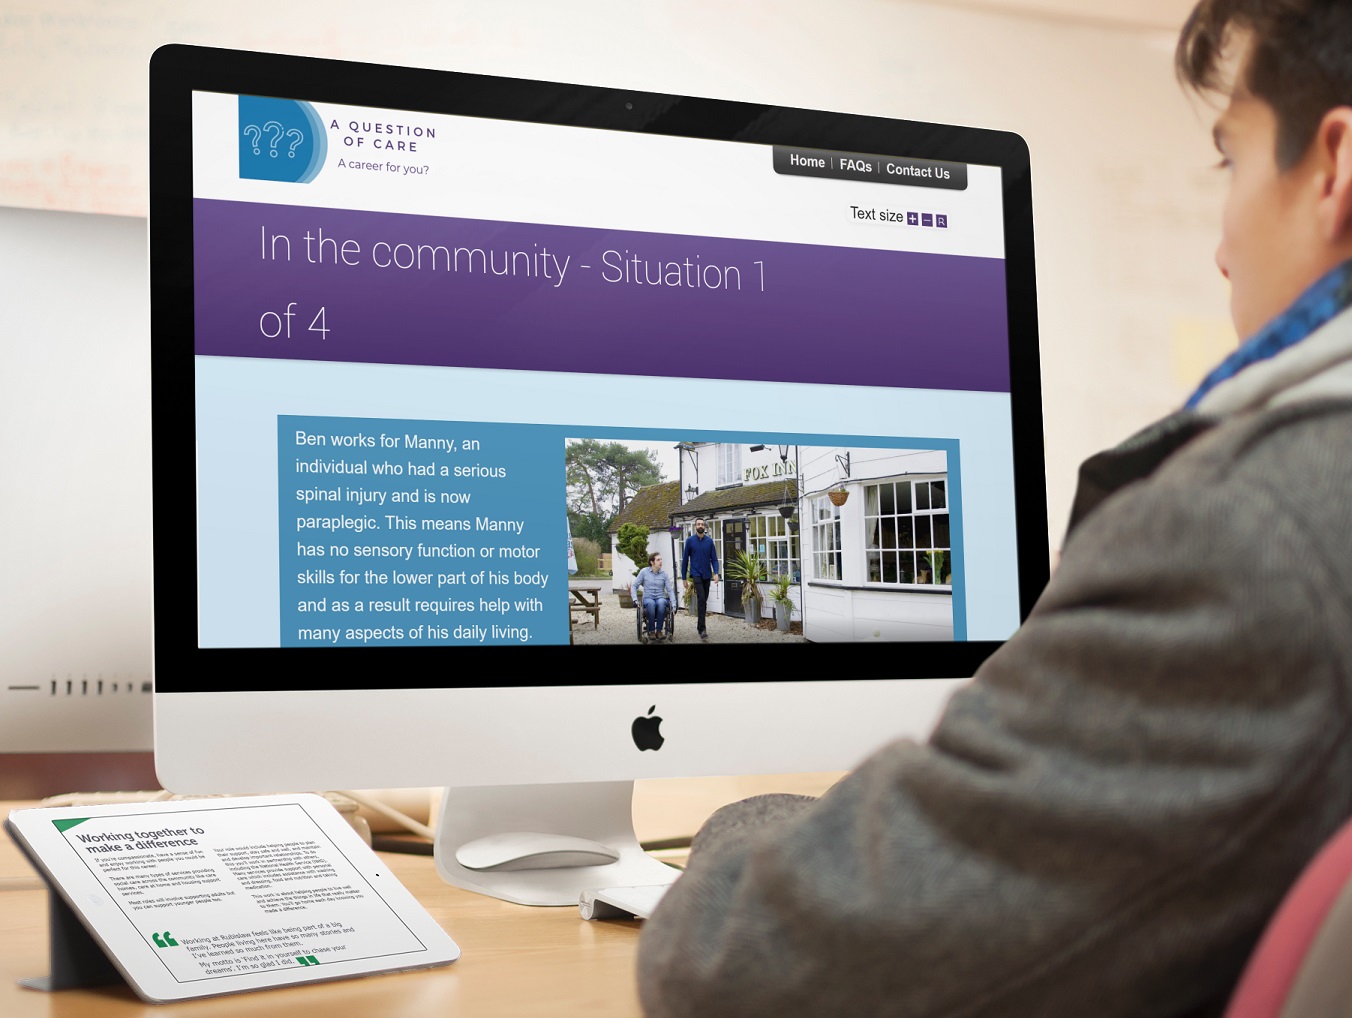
<point x="651" y="506"/>
<point x="745" y="496"/>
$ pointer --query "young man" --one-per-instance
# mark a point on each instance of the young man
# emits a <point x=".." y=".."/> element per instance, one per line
<point x="1106" y="817"/>
<point x="659" y="594"/>
<point x="699" y="565"/>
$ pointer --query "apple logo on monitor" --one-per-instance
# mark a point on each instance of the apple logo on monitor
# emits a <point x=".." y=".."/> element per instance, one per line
<point x="647" y="731"/>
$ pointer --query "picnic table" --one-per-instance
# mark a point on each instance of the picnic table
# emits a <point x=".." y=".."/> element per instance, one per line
<point x="585" y="597"/>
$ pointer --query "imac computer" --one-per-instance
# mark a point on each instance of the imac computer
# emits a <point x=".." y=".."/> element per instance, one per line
<point x="411" y="329"/>
<point x="75" y="590"/>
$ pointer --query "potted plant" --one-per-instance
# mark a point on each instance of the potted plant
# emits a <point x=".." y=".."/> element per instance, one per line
<point x="632" y="541"/>
<point x="938" y="562"/>
<point x="838" y="494"/>
<point x="783" y="602"/>
<point x="748" y="568"/>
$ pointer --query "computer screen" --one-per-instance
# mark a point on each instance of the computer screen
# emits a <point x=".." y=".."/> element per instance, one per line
<point x="414" y="330"/>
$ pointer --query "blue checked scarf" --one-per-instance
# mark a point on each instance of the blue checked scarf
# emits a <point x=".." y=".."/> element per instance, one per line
<point x="1313" y="308"/>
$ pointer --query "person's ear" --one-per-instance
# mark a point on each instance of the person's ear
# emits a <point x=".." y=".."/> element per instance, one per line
<point x="1333" y="146"/>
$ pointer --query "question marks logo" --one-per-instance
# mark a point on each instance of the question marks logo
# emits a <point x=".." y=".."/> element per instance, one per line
<point x="270" y="128"/>
<point x="277" y="131"/>
<point x="255" y="135"/>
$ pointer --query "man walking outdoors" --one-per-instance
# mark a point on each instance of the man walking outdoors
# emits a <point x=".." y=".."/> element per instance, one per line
<point x="699" y="565"/>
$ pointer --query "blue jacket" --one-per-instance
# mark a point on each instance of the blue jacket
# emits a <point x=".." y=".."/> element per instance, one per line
<point x="700" y="558"/>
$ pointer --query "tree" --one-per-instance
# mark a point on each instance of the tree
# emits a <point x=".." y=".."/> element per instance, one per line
<point x="633" y="470"/>
<point x="586" y="477"/>
<point x="603" y="476"/>
<point x="593" y="526"/>
<point x="632" y="541"/>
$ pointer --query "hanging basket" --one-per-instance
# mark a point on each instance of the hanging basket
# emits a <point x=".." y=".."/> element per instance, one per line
<point x="838" y="496"/>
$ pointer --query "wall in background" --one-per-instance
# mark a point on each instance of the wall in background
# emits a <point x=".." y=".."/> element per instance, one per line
<point x="1132" y="309"/>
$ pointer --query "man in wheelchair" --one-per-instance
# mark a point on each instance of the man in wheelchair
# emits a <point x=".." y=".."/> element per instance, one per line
<point x="656" y="604"/>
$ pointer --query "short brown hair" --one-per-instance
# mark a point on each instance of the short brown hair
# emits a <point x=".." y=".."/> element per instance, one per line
<point x="1300" y="63"/>
<point x="652" y="555"/>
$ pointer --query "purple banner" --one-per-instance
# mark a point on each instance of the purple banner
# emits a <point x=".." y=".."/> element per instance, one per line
<point x="338" y="285"/>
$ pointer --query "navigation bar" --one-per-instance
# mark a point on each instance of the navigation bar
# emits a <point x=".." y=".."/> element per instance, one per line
<point x="812" y="162"/>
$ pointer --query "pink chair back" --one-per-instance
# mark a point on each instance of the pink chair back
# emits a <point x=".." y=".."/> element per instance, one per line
<point x="1302" y="966"/>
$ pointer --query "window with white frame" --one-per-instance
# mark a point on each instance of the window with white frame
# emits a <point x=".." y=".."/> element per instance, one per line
<point x="906" y="537"/>
<point x="729" y="464"/>
<point x="769" y="538"/>
<point x="826" y="554"/>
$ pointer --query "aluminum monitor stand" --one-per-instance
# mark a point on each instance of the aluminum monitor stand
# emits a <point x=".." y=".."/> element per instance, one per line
<point x="543" y="844"/>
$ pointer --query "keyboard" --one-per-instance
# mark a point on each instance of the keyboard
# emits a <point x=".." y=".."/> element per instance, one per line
<point x="621" y="902"/>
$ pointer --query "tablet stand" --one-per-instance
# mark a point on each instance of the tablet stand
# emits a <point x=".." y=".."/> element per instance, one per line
<point x="76" y="958"/>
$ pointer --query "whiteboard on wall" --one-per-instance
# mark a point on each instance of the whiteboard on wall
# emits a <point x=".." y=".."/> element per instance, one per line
<point x="1132" y="310"/>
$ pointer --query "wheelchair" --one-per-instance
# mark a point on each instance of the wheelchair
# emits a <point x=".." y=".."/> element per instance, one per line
<point x="641" y="620"/>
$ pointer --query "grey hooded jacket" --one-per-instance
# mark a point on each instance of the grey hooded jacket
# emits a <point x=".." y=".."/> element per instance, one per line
<point x="1106" y="816"/>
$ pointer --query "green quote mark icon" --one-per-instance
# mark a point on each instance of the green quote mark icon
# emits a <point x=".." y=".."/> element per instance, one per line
<point x="164" y="939"/>
<point x="309" y="959"/>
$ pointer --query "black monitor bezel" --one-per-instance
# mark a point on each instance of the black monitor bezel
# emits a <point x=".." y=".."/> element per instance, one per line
<point x="176" y="71"/>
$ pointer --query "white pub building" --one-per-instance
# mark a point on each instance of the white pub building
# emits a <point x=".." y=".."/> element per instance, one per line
<point x="863" y="533"/>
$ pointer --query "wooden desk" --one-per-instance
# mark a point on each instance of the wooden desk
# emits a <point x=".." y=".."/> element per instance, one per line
<point x="518" y="961"/>
<point x="586" y="597"/>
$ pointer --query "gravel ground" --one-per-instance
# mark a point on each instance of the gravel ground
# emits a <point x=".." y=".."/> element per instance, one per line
<point x="617" y="626"/>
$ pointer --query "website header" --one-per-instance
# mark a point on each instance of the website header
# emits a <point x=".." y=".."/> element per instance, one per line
<point x="281" y="151"/>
